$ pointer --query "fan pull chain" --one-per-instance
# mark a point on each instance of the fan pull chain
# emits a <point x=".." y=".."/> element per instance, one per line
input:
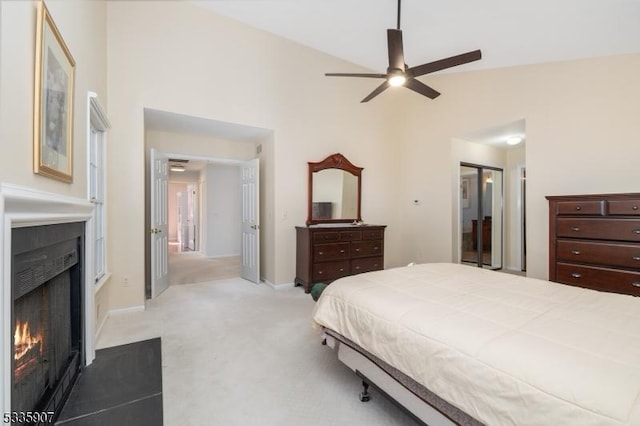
<point x="398" y="14"/>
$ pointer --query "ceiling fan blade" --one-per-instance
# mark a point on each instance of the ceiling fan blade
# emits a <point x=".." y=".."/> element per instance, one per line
<point x="420" y="87"/>
<point x="445" y="63"/>
<point x="376" y="92"/>
<point x="343" y="74"/>
<point x="396" y="51"/>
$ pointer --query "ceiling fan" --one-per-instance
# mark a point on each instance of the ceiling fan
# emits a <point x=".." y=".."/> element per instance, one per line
<point x="399" y="74"/>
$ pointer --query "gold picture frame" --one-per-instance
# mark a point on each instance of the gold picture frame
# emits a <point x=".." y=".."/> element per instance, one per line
<point x="53" y="104"/>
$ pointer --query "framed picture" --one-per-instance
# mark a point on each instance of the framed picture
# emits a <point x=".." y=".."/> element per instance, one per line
<point x="53" y="104"/>
<point x="464" y="190"/>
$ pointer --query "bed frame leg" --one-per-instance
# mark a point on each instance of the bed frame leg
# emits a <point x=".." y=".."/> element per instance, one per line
<point x="364" y="395"/>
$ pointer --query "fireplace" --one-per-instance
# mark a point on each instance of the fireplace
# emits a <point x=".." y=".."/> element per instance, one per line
<point x="46" y="316"/>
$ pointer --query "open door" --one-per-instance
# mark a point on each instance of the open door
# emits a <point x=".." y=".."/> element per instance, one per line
<point x="159" y="223"/>
<point x="251" y="221"/>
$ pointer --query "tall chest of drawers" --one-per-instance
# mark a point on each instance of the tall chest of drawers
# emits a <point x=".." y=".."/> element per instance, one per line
<point x="594" y="241"/>
<point x="325" y="253"/>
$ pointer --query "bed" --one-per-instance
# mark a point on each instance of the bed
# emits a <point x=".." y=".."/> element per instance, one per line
<point x="456" y="344"/>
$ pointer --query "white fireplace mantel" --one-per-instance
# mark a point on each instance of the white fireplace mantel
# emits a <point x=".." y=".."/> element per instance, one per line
<point x="21" y="207"/>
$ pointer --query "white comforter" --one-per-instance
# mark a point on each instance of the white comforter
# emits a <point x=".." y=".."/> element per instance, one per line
<point x="507" y="350"/>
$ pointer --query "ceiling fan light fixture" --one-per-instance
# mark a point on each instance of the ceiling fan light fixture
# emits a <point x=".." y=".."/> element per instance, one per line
<point x="397" y="80"/>
<point x="400" y="74"/>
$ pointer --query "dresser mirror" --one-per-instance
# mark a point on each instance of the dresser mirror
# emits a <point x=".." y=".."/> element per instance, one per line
<point x="334" y="191"/>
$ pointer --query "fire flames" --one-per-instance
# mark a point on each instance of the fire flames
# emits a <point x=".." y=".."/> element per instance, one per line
<point x="26" y="345"/>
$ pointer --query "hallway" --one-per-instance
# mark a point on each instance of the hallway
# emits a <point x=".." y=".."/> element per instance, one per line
<point x="194" y="267"/>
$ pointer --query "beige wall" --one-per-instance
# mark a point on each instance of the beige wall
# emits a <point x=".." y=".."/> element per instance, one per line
<point x="582" y="137"/>
<point x="177" y="57"/>
<point x="82" y="25"/>
<point x="200" y="146"/>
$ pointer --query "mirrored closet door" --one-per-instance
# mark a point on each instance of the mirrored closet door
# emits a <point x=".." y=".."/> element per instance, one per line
<point x="481" y="216"/>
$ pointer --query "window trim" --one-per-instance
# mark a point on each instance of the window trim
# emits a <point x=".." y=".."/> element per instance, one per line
<point x="96" y="135"/>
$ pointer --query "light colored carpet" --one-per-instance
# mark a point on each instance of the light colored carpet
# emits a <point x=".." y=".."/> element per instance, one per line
<point x="238" y="353"/>
<point x="192" y="267"/>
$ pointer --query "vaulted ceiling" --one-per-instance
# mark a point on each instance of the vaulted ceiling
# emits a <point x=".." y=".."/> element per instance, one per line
<point x="509" y="32"/>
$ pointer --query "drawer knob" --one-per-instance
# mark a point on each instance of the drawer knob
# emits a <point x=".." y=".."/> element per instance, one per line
<point x="636" y="257"/>
<point x="341" y="269"/>
<point x="578" y="207"/>
<point x="576" y="275"/>
<point x="576" y="252"/>
<point x="376" y="248"/>
<point x="341" y="251"/>
<point x="636" y="284"/>
<point x="320" y="253"/>
<point x="634" y="208"/>
<point x="357" y="249"/>
<point x="357" y="267"/>
<point x="320" y="272"/>
<point x="575" y="228"/>
<point x="636" y="231"/>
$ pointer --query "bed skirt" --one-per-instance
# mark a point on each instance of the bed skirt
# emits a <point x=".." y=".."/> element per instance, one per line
<point x="452" y="413"/>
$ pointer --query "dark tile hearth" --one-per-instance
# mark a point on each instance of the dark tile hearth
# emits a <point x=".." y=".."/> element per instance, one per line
<point x="122" y="386"/>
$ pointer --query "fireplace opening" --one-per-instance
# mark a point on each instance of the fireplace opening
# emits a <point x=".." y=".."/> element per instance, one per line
<point x="47" y="317"/>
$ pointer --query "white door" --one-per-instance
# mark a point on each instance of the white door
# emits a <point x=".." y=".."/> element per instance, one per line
<point x="251" y="221"/>
<point x="159" y="223"/>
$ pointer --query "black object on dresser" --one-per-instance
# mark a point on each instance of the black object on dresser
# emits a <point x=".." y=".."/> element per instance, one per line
<point x="594" y="241"/>
<point x="327" y="252"/>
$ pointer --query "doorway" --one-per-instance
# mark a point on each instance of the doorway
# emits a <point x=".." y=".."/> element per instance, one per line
<point x="183" y="216"/>
<point x="481" y="216"/>
<point x="522" y="173"/>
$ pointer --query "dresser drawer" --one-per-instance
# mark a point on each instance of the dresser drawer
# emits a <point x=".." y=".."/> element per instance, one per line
<point x="587" y="207"/>
<point x="325" y="236"/>
<point x="599" y="278"/>
<point x="604" y="229"/>
<point x="624" y="207"/>
<point x="366" y="248"/>
<point x="367" y="264"/>
<point x="329" y="271"/>
<point x="614" y="254"/>
<point x="350" y="235"/>
<point x="326" y="252"/>
<point x="372" y="234"/>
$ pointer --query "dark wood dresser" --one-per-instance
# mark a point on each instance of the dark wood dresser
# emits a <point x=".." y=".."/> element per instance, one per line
<point x="325" y="253"/>
<point x="594" y="241"/>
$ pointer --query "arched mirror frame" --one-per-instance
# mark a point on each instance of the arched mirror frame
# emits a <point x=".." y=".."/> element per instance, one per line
<point x="334" y="161"/>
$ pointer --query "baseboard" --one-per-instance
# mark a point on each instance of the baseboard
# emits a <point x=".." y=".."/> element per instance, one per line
<point x="220" y="256"/>
<point x="277" y="286"/>
<point x="102" y="323"/>
<point x="515" y="271"/>
<point x="137" y="308"/>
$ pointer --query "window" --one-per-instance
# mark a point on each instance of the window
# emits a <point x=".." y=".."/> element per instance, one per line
<point x="98" y="124"/>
